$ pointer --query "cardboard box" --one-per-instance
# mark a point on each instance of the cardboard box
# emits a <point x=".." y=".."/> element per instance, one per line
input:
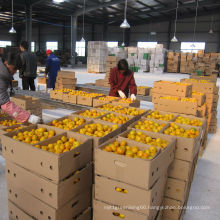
<point x="143" y="91"/>
<point x="177" y="106"/>
<point x="202" y="111"/>
<point x="88" y="101"/>
<point x="14" y="83"/>
<point x="136" y="197"/>
<point x="135" y="103"/>
<point x="162" y="113"/>
<point x="77" y="114"/>
<point x="97" y="141"/>
<point x="50" y="165"/>
<point x="180" y="169"/>
<point x="97" y="102"/>
<point x="66" y="74"/>
<point x="65" y="86"/>
<point x="125" y="169"/>
<point x="56" y="95"/>
<point x="171" y="88"/>
<point x="65" y="81"/>
<point x="200" y="99"/>
<point x="187" y="148"/>
<point x="69" y="98"/>
<point x="111" y="59"/>
<point x="210" y="98"/>
<point x="40" y="210"/>
<point x="176" y="189"/>
<point x="111" y="212"/>
<point x="42" y="80"/>
<point x="45" y="189"/>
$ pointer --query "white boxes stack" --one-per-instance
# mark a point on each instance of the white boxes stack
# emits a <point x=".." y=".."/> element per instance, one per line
<point x="143" y="59"/>
<point x="157" y="59"/>
<point x="96" y="60"/>
<point x="118" y="52"/>
<point x="132" y="56"/>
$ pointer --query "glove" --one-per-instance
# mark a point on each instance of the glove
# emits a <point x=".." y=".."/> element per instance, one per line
<point x="33" y="119"/>
<point x="122" y="95"/>
<point x="133" y="97"/>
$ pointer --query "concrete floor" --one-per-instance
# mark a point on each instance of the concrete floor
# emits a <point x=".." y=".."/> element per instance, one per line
<point x="205" y="189"/>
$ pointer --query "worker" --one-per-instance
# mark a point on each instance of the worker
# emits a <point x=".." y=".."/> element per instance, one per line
<point x="28" y="70"/>
<point x="7" y="70"/>
<point x="122" y="81"/>
<point x="52" y="68"/>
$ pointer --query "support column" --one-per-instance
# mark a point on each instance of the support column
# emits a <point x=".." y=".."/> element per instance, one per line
<point x="29" y="24"/>
<point x="19" y="36"/>
<point x="168" y="34"/>
<point x="73" y="39"/>
<point x="93" y="32"/>
<point x="63" y="36"/>
<point x="127" y="37"/>
<point x="105" y="31"/>
<point x="39" y="38"/>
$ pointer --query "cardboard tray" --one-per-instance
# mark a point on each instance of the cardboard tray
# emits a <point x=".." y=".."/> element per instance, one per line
<point x="200" y="99"/>
<point x="97" y="102"/>
<point x="39" y="210"/>
<point x="97" y="141"/>
<point x="66" y="74"/>
<point x="143" y="91"/>
<point x="50" y="165"/>
<point x="135" y="103"/>
<point x="136" y="197"/>
<point x="125" y="169"/>
<point x="46" y="190"/>
<point x="108" y="211"/>
<point x="56" y="95"/>
<point x="187" y="148"/>
<point x="88" y="101"/>
<point x="77" y="113"/>
<point x="69" y="98"/>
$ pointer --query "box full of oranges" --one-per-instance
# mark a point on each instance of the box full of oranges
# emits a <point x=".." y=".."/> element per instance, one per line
<point x="103" y="100"/>
<point x="127" y="102"/>
<point x="47" y="151"/>
<point x="90" y="114"/>
<point x="121" y="157"/>
<point x="87" y="98"/>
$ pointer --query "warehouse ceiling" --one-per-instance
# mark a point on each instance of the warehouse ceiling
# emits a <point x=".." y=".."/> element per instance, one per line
<point x="110" y="12"/>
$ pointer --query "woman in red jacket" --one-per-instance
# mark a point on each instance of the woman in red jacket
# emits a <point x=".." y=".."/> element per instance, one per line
<point x="122" y="81"/>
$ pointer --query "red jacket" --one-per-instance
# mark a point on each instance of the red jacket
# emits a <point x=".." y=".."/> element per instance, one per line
<point x="125" y="83"/>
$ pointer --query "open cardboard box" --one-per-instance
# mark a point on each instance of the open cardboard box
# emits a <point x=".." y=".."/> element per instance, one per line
<point x="40" y="210"/>
<point x="88" y="101"/>
<point x="170" y="88"/>
<point x="97" y="102"/>
<point x="187" y="148"/>
<point x="103" y="210"/>
<point x="125" y="168"/>
<point x="45" y="189"/>
<point x="71" y="117"/>
<point x="135" y="103"/>
<point x="66" y="74"/>
<point x="143" y="91"/>
<point x="200" y="99"/>
<point x="97" y="141"/>
<point x="77" y="114"/>
<point x="50" y="165"/>
<point x="210" y="98"/>
<point x="143" y="119"/>
<point x="124" y="125"/>
<point x="69" y="98"/>
<point x="56" y="95"/>
<point x="105" y="190"/>
<point x="3" y="130"/>
<point x="3" y="119"/>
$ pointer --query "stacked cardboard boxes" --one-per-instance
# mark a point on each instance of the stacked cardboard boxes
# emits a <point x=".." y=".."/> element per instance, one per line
<point x="173" y="62"/>
<point x="66" y="80"/>
<point x="96" y="60"/>
<point x="143" y="59"/>
<point x="119" y="52"/>
<point x="128" y="187"/>
<point x="28" y="103"/>
<point x="46" y="185"/>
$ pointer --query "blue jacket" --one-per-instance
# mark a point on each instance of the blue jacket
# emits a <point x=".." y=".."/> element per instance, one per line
<point x="52" y="68"/>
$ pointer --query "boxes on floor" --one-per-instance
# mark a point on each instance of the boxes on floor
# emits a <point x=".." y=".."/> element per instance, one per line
<point x="47" y="164"/>
<point x="142" y="90"/>
<point x="124" y="169"/>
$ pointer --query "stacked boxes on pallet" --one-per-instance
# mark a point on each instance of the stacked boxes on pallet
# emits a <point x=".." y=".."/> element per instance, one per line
<point x="96" y="60"/>
<point x="209" y="88"/>
<point x="133" y="58"/>
<point x="173" y="62"/>
<point x="119" y="52"/>
<point x="44" y="183"/>
<point x="66" y="80"/>
<point x="143" y="59"/>
<point x="28" y="103"/>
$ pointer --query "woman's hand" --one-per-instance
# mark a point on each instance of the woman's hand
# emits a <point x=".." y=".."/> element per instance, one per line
<point x="122" y="95"/>
<point x="133" y="97"/>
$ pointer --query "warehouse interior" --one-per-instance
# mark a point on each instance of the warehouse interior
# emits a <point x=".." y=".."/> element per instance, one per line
<point x="172" y="48"/>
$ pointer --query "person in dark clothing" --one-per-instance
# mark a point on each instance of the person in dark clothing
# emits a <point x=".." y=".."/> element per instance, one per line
<point x="52" y="68"/>
<point x="122" y="81"/>
<point x="28" y="70"/>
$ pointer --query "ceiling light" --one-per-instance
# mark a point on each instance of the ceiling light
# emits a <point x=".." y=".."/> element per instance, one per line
<point x="193" y="45"/>
<point x="153" y="33"/>
<point x="211" y="31"/>
<point x="123" y="44"/>
<point x="211" y="26"/>
<point x="82" y="40"/>
<point x="58" y="1"/>
<point x="174" y="39"/>
<point x="125" y="22"/>
<point x="12" y="30"/>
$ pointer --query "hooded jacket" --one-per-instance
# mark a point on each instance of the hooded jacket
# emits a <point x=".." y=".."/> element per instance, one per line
<point x="5" y="79"/>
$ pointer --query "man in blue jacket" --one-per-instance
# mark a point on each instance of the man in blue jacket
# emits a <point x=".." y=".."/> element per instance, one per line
<point x="52" y="68"/>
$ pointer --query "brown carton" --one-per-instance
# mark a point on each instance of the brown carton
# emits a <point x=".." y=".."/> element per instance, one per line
<point x="111" y="212"/>
<point x="135" y="103"/>
<point x="42" y="80"/>
<point x="105" y="190"/>
<point x="66" y="74"/>
<point x="45" y="189"/>
<point x="40" y="210"/>
<point x="69" y="98"/>
<point x="200" y="99"/>
<point x="143" y="90"/>
<point x="97" y="102"/>
<point x="125" y="169"/>
<point x="52" y="166"/>
<point x="56" y="95"/>
<point x="77" y="114"/>
<point x="64" y="81"/>
<point x="88" y="101"/>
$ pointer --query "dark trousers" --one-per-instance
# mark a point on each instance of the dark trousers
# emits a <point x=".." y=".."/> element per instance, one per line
<point x="28" y="82"/>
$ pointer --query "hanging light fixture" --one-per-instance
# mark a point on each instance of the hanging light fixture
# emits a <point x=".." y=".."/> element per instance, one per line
<point x="12" y="30"/>
<point x="125" y="22"/>
<point x="174" y="39"/>
<point x="195" y="25"/>
<point x="58" y="1"/>
<point x="211" y="26"/>
<point x="84" y="8"/>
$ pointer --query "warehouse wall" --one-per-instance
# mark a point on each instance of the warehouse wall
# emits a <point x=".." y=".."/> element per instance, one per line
<point x="113" y="33"/>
